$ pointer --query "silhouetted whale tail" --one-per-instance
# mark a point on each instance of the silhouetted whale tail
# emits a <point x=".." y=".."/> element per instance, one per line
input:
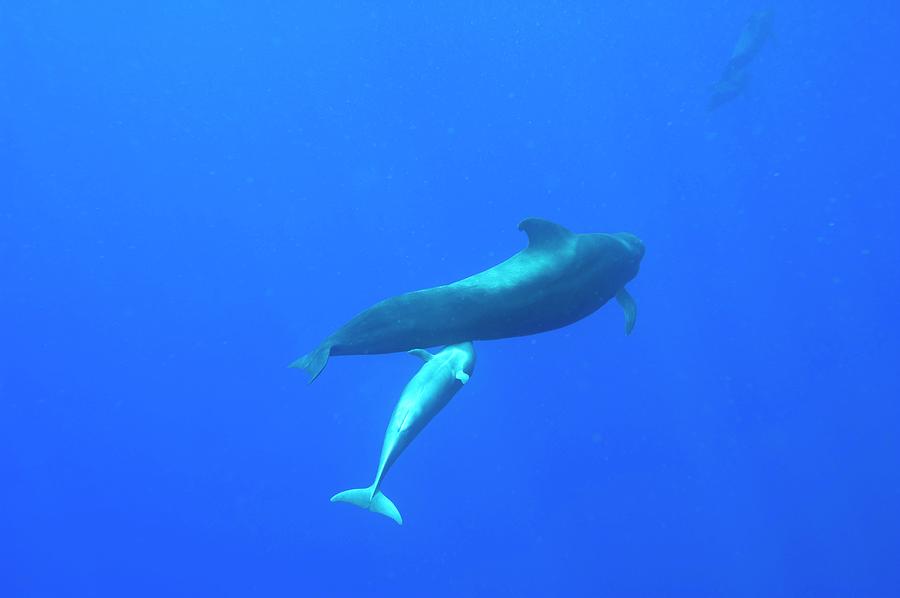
<point x="370" y="500"/>
<point x="314" y="361"/>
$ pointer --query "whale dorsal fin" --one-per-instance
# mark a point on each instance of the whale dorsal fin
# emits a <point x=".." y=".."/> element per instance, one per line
<point x="543" y="233"/>
<point x="462" y="376"/>
<point x="422" y="354"/>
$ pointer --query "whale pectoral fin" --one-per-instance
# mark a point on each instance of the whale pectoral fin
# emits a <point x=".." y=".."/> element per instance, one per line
<point x="422" y="354"/>
<point x="543" y="234"/>
<point x="629" y="307"/>
<point x="462" y="376"/>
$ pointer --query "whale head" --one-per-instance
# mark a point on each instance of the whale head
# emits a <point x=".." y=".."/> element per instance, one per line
<point x="633" y="245"/>
<point x="629" y="254"/>
<point x="614" y="258"/>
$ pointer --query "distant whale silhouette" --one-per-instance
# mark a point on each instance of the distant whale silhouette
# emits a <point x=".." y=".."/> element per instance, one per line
<point x="728" y="87"/>
<point x="560" y="278"/>
<point x="757" y="30"/>
<point x="427" y="393"/>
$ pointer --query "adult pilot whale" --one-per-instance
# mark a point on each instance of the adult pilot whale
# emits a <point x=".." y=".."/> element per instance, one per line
<point x="427" y="393"/>
<point x="560" y="278"/>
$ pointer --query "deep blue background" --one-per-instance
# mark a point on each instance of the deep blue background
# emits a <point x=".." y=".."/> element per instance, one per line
<point x="193" y="194"/>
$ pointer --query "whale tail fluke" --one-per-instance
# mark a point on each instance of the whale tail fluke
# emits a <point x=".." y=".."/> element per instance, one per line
<point x="365" y="499"/>
<point x="314" y="361"/>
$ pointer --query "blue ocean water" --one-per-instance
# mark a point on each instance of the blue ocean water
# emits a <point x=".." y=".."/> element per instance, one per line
<point x="193" y="194"/>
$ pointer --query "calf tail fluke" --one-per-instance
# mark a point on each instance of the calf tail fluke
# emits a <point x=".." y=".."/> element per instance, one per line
<point x="376" y="502"/>
<point x="314" y="361"/>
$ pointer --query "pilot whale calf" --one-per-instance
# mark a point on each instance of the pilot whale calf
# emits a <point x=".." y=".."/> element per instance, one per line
<point x="425" y="395"/>
<point x="560" y="278"/>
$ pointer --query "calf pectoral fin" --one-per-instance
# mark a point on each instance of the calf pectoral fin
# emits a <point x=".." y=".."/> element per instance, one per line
<point x="421" y="354"/>
<point x="462" y="376"/>
<point x="629" y="307"/>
